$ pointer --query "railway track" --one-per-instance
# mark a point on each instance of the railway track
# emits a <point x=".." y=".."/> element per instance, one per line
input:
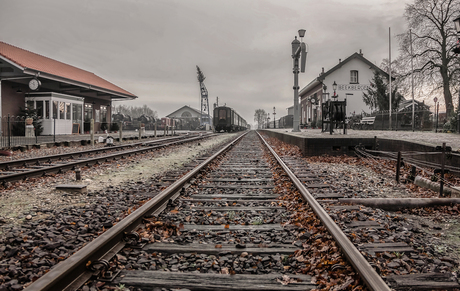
<point x="225" y="226"/>
<point x="15" y="170"/>
<point x="223" y="232"/>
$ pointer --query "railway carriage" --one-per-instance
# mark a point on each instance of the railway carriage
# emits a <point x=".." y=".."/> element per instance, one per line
<point x="226" y="119"/>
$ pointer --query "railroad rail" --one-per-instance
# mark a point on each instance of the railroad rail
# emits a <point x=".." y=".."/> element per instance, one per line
<point x="102" y="249"/>
<point x="228" y="223"/>
<point x="15" y="170"/>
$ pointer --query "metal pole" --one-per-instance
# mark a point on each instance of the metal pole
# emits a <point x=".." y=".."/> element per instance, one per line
<point x="398" y="167"/>
<point x="458" y="113"/>
<point x="412" y="80"/>
<point x="441" y="183"/>
<point x="9" y="132"/>
<point x="296" y="95"/>
<point x="389" y="68"/>
<point x="437" y="117"/>
<point x="92" y="132"/>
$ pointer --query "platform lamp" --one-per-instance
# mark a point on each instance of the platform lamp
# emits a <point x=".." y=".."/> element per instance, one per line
<point x="274" y="120"/>
<point x="457" y="51"/>
<point x="334" y="87"/>
<point x="299" y="52"/>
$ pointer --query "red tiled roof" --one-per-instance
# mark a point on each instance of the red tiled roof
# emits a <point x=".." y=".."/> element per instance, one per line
<point x="30" y="60"/>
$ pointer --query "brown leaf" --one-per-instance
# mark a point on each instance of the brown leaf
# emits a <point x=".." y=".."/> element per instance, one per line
<point x="227" y="226"/>
<point x="286" y="280"/>
<point x="218" y="246"/>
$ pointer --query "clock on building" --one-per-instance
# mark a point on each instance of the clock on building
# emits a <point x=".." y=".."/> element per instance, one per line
<point x="34" y="84"/>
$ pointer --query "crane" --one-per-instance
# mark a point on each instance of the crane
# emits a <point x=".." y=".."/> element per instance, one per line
<point x="205" y="117"/>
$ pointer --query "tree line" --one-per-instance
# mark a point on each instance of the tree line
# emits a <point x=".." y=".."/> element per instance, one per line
<point x="135" y="111"/>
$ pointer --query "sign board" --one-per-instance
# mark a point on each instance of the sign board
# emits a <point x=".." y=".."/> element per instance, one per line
<point x="76" y="128"/>
<point x="352" y="87"/>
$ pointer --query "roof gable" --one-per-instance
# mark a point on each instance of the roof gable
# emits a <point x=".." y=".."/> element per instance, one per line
<point x="315" y="82"/>
<point x="353" y="56"/>
<point x="186" y="107"/>
<point x="30" y="61"/>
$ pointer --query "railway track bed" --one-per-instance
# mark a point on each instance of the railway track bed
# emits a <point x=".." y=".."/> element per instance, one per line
<point x="241" y="224"/>
<point x="222" y="230"/>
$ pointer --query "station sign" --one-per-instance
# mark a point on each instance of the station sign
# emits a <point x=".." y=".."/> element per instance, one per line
<point x="352" y="87"/>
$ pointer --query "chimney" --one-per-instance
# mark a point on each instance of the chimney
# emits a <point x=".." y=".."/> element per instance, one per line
<point x="361" y="52"/>
<point x="340" y="60"/>
<point x="322" y="70"/>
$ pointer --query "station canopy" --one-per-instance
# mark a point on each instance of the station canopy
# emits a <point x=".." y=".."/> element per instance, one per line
<point x="20" y="66"/>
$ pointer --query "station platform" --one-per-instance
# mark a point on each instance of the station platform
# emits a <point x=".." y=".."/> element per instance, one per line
<point x="313" y="142"/>
<point x="428" y="138"/>
<point x="21" y="143"/>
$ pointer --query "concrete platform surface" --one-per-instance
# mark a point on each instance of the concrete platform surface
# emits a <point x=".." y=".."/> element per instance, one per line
<point x="428" y="138"/>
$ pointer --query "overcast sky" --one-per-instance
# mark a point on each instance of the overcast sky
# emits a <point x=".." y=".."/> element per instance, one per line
<point x="151" y="47"/>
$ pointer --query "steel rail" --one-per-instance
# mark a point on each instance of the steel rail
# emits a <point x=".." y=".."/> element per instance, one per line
<point x="370" y="277"/>
<point x="74" y="268"/>
<point x="31" y="161"/>
<point x="89" y="161"/>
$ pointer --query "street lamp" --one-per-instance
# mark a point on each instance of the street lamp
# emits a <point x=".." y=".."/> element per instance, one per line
<point x="274" y="120"/>
<point x="268" y="120"/>
<point x="299" y="51"/>
<point x="334" y="87"/>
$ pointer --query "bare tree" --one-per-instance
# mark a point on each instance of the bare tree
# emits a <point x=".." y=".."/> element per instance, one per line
<point x="260" y="116"/>
<point x="433" y="38"/>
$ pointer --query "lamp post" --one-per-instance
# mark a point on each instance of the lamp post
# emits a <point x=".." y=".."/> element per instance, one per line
<point x="457" y="51"/>
<point x="435" y="112"/>
<point x="274" y="120"/>
<point x="334" y="87"/>
<point x="268" y="120"/>
<point x="299" y="51"/>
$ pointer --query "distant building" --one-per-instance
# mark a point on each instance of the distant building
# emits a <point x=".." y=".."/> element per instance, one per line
<point x="66" y="98"/>
<point x="353" y="76"/>
<point x="187" y="118"/>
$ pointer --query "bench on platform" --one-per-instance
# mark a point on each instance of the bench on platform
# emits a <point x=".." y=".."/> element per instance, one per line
<point x="368" y="120"/>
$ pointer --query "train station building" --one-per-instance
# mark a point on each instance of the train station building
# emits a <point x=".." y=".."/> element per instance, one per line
<point x="187" y="118"/>
<point x="353" y="77"/>
<point x="66" y="98"/>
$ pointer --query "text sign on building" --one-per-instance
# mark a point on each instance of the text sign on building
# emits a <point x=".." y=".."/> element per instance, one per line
<point x="352" y="87"/>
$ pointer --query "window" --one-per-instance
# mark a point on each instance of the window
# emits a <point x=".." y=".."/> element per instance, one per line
<point x="354" y="77"/>
<point x="47" y="109"/>
<point x="98" y="115"/>
<point x="103" y="113"/>
<point x="222" y="114"/>
<point x="88" y="112"/>
<point x="39" y="105"/>
<point x="55" y="109"/>
<point x="61" y="110"/>
<point x="76" y="113"/>
<point x="186" y="114"/>
<point x="67" y="111"/>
